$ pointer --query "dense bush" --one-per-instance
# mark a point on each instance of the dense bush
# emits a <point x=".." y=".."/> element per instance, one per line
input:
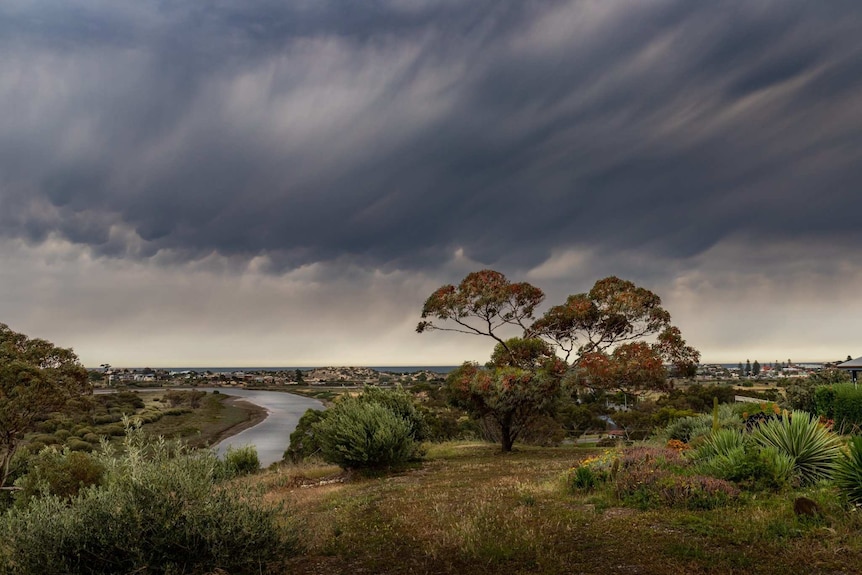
<point x="448" y="423"/>
<point x="400" y="403"/>
<point x="824" y="400"/>
<point x="800" y="437"/>
<point x="377" y="428"/>
<point x="688" y="429"/>
<point x="305" y="439"/>
<point x="60" y="473"/>
<point x="75" y="444"/>
<point x="734" y="456"/>
<point x="361" y="434"/>
<point x="847" y="407"/>
<point x="240" y="461"/>
<point x="160" y="510"/>
<point x="848" y="472"/>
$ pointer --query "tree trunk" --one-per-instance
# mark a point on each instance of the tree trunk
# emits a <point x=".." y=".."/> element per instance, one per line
<point x="506" y="436"/>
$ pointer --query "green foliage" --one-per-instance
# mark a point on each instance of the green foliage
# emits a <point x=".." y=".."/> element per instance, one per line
<point x="730" y="455"/>
<point x="159" y="510"/>
<point x="848" y="472"/>
<point x="360" y="434"/>
<point x="511" y="395"/>
<point x="544" y="431"/>
<point x="401" y="404"/>
<point x="651" y="477"/>
<point x="802" y="394"/>
<point x="75" y="444"/>
<point x="824" y="400"/>
<point x="578" y="419"/>
<point x="800" y="437"/>
<point x="305" y="440"/>
<point x="308" y="437"/>
<point x="60" y="473"/>
<point x="688" y="429"/>
<point x="240" y="461"/>
<point x="584" y="479"/>
<point x="847" y="407"/>
<point x="696" y="397"/>
<point x="187" y="398"/>
<point x="36" y="378"/>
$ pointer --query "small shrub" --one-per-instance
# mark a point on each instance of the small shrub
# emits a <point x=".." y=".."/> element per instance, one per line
<point x="116" y="430"/>
<point x="732" y="456"/>
<point x="656" y="477"/>
<point x="76" y="444"/>
<point x="60" y="473"/>
<point x="848" y="472"/>
<point x="800" y="437"/>
<point x="106" y="418"/>
<point x="584" y="479"/>
<point x="91" y="438"/>
<point x="62" y="434"/>
<point x="688" y="429"/>
<point x="46" y="439"/>
<point x="241" y="461"/>
<point x="594" y="470"/>
<point x="401" y="404"/>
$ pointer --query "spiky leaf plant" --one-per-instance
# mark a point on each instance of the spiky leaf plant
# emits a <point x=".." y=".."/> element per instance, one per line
<point x="848" y="472"/>
<point x="813" y="448"/>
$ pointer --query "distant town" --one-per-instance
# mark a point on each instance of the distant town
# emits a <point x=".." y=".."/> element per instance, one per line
<point x="146" y="377"/>
<point x="107" y="376"/>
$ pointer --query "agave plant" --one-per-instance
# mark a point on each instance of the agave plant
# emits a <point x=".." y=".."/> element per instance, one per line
<point x="731" y="455"/>
<point x="812" y="447"/>
<point x="848" y="472"/>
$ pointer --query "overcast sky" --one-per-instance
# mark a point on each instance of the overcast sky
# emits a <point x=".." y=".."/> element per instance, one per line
<point x="279" y="182"/>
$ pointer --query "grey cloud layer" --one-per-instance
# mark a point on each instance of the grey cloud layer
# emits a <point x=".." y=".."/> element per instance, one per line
<point x="397" y="132"/>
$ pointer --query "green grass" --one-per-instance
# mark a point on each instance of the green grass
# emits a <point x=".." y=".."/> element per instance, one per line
<point x="207" y="424"/>
<point x="470" y="509"/>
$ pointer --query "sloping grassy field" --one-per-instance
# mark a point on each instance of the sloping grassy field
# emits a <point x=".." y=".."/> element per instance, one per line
<point x="471" y="509"/>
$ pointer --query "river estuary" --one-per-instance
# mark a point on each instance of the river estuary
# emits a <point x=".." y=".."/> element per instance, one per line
<point x="272" y="435"/>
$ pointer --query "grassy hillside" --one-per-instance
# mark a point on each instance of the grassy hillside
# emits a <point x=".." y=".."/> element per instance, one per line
<point x="470" y="509"/>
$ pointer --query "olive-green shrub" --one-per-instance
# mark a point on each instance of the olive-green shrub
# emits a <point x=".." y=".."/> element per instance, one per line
<point x="305" y="439"/>
<point x="161" y="509"/>
<point x="61" y="473"/>
<point x="240" y="461"/>
<point x="359" y="434"/>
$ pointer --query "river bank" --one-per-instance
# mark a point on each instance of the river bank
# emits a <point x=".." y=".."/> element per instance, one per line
<point x="255" y="415"/>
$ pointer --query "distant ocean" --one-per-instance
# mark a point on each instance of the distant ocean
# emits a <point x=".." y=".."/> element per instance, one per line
<point x="388" y="369"/>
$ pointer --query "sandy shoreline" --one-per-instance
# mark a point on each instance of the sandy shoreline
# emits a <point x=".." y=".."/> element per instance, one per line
<point x="256" y="414"/>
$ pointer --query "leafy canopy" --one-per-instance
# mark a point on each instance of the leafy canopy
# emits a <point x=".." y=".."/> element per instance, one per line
<point x="617" y="335"/>
<point x="36" y="377"/>
<point x="519" y="384"/>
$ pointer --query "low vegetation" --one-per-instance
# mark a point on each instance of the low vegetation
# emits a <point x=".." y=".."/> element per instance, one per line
<point x="155" y="507"/>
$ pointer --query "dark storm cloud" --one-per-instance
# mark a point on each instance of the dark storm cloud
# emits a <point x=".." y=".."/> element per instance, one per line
<point x="395" y="133"/>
